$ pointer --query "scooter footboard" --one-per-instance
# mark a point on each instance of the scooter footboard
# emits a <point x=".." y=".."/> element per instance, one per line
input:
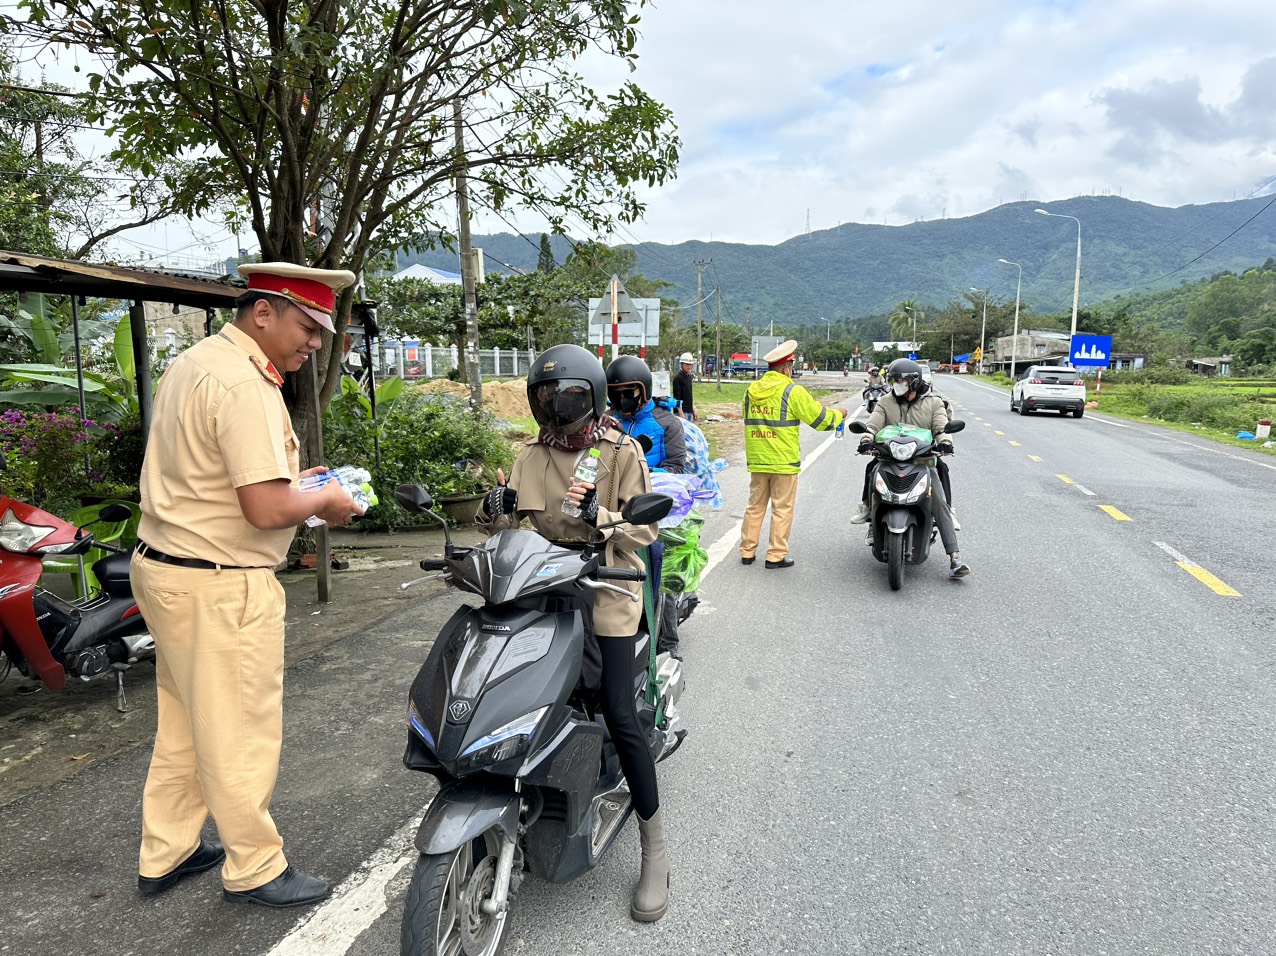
<point x="464" y="810"/>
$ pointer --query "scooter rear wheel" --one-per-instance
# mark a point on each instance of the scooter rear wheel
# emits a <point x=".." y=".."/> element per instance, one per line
<point x="896" y="548"/>
<point x="442" y="915"/>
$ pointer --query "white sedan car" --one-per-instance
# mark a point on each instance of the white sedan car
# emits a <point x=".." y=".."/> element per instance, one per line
<point x="1059" y="387"/>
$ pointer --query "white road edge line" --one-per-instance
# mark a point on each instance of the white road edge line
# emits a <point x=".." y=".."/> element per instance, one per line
<point x="356" y="904"/>
<point x="360" y="900"/>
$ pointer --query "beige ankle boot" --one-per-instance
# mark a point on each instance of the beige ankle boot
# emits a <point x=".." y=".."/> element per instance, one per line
<point x="651" y="898"/>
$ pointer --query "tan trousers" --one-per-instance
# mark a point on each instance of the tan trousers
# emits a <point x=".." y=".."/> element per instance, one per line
<point x="781" y="492"/>
<point x="219" y="668"/>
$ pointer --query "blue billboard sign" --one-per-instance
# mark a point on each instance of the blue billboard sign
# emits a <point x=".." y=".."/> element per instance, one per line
<point x="1091" y="350"/>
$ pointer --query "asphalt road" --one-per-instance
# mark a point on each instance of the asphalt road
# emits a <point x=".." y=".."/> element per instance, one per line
<point x="1067" y="752"/>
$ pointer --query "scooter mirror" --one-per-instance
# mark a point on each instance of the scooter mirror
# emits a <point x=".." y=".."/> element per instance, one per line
<point x="856" y="427"/>
<point x="115" y="513"/>
<point x="954" y="426"/>
<point x="413" y="498"/>
<point x="646" y="508"/>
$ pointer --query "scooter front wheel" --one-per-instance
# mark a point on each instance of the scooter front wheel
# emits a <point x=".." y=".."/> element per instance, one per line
<point x="895" y="547"/>
<point x="443" y="914"/>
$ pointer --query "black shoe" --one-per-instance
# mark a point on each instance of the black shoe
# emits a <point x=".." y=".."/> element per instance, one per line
<point x="206" y="856"/>
<point x="289" y="888"/>
<point x="782" y="563"/>
<point x="744" y="560"/>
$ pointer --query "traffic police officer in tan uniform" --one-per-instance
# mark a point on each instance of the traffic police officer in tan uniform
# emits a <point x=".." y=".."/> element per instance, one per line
<point x="774" y="409"/>
<point x="220" y="504"/>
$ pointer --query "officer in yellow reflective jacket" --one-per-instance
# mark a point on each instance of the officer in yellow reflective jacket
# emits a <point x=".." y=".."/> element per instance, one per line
<point x="774" y="409"/>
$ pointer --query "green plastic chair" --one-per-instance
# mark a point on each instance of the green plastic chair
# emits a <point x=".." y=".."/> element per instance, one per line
<point x="80" y="567"/>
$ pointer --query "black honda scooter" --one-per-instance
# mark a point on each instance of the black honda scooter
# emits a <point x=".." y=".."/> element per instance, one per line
<point x="901" y="524"/>
<point x="528" y="776"/>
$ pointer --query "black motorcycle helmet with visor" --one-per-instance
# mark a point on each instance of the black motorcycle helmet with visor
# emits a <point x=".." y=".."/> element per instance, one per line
<point x="624" y="375"/>
<point x="908" y="372"/>
<point x="564" y="387"/>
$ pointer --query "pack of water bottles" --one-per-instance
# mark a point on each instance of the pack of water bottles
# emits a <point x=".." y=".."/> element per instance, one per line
<point x="700" y="465"/>
<point x="356" y="482"/>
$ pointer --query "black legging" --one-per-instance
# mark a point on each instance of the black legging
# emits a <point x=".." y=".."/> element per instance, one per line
<point x="622" y="721"/>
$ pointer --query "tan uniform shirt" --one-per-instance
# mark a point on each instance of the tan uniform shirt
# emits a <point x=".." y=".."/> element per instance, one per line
<point x="219" y="423"/>
<point x="542" y="475"/>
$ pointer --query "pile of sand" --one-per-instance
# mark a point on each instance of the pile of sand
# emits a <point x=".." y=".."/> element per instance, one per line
<point x="507" y="400"/>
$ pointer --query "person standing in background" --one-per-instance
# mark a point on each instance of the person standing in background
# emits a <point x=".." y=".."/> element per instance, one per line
<point x="220" y="505"/>
<point x="683" y="387"/>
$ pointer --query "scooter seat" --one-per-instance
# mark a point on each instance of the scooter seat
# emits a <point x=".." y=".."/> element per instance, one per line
<point x="112" y="573"/>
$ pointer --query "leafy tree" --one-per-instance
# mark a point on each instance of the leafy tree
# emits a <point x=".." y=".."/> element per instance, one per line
<point x="336" y="131"/>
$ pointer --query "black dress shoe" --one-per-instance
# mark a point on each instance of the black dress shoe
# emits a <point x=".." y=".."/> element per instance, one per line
<point x="748" y="560"/>
<point x="782" y="563"/>
<point x="206" y="856"/>
<point x="289" y="888"/>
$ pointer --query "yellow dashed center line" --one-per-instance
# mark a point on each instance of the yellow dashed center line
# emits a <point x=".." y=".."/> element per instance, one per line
<point x="1211" y="582"/>
<point x="1120" y="516"/>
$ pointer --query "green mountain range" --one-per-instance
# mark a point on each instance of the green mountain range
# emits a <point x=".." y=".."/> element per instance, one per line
<point x="1127" y="248"/>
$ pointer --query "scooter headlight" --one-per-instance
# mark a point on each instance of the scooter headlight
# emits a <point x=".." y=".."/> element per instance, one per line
<point x="914" y="493"/>
<point x="903" y="450"/>
<point x="417" y="723"/>
<point x="19" y="537"/>
<point x="504" y="743"/>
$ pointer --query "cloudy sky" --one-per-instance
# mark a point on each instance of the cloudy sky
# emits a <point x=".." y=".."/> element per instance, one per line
<point x="891" y="112"/>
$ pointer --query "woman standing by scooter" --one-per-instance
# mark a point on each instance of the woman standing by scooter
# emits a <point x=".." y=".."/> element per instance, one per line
<point x="551" y="485"/>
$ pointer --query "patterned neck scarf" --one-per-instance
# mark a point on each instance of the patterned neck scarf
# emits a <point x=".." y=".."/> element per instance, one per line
<point x="587" y="437"/>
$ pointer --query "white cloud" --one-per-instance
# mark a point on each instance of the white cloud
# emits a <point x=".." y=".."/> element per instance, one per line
<point x="919" y="109"/>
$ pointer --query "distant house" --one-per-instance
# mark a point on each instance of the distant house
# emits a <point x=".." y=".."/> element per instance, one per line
<point x="437" y="276"/>
<point x="1218" y="365"/>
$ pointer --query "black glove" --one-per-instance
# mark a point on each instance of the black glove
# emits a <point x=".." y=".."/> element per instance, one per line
<point x="501" y="500"/>
<point x="589" y="507"/>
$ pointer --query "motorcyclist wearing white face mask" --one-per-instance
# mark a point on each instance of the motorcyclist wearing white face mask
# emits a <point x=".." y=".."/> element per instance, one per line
<point x="910" y="402"/>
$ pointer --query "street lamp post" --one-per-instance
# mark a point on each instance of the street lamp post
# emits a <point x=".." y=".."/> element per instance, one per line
<point x="983" y="328"/>
<point x="1014" y="342"/>
<point x="1076" y="282"/>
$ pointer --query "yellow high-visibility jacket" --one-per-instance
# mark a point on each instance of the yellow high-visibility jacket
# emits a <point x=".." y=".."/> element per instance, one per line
<point x="774" y="409"/>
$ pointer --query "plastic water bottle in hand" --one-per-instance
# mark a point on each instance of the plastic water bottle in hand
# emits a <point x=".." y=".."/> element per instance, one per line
<point x="354" y="481"/>
<point x="587" y="467"/>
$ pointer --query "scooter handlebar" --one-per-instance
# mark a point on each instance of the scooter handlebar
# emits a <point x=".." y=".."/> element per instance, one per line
<point x="620" y="574"/>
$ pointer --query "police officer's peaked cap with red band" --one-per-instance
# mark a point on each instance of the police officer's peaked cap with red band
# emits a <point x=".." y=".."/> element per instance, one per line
<point x="782" y="353"/>
<point x="314" y="291"/>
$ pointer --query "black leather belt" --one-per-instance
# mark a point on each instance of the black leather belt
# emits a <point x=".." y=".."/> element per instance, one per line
<point x="146" y="551"/>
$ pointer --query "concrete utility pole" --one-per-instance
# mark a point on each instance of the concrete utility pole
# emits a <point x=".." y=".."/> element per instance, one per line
<point x="700" y="264"/>
<point x="473" y="372"/>
<point x="717" y="364"/>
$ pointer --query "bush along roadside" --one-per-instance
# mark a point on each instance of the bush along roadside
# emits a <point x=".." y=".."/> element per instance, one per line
<point x="436" y="441"/>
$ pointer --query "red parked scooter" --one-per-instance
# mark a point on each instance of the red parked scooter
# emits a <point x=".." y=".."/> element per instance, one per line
<point x="47" y="637"/>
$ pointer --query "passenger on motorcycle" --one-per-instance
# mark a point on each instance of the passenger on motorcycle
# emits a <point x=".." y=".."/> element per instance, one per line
<point x="629" y="394"/>
<point x="909" y="403"/>
<point x="567" y="392"/>
<point x="940" y="464"/>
